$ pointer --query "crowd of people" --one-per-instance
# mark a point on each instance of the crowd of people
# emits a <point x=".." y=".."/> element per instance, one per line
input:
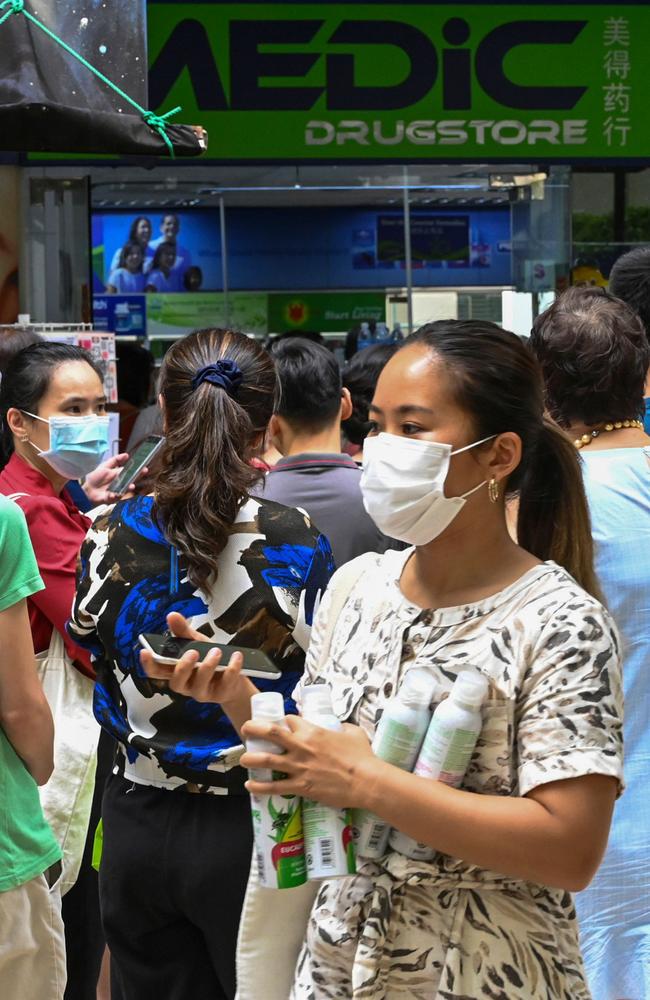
<point x="466" y="497"/>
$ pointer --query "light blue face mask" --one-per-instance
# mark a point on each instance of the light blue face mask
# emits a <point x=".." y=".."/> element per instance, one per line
<point x="77" y="444"/>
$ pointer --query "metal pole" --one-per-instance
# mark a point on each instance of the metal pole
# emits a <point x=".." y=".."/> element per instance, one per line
<point x="224" y="261"/>
<point x="407" y="252"/>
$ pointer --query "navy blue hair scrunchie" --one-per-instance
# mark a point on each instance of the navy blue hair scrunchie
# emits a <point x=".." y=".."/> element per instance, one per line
<point x="224" y="373"/>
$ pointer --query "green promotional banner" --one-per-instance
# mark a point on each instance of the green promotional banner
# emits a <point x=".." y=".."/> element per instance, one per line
<point x="175" y="315"/>
<point x="338" y="81"/>
<point x="319" y="312"/>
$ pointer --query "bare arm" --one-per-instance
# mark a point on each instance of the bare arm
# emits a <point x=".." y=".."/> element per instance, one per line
<point x="556" y="835"/>
<point x="25" y="715"/>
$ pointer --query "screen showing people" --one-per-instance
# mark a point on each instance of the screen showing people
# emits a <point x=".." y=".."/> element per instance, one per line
<point x="157" y="252"/>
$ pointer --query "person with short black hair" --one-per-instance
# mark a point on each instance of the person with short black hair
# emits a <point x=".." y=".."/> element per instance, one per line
<point x="629" y="280"/>
<point x="360" y="378"/>
<point x="594" y="356"/>
<point x="306" y="429"/>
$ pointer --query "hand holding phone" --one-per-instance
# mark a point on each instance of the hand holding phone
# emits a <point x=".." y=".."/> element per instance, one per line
<point x="138" y="461"/>
<point x="169" y="649"/>
<point x="203" y="681"/>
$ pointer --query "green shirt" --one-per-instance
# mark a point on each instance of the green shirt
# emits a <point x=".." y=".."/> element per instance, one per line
<point x="27" y="845"/>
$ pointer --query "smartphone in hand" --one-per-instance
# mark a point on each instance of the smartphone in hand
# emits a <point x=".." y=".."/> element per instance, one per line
<point x="169" y="649"/>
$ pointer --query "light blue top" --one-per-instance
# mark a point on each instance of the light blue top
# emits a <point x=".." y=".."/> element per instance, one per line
<point x="126" y="281"/>
<point x="614" y="912"/>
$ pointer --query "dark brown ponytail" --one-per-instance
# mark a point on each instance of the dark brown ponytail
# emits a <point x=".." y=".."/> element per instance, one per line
<point x="211" y="434"/>
<point x="553" y="516"/>
<point x="496" y="379"/>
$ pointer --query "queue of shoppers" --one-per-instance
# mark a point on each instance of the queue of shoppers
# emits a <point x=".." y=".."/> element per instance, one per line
<point x="532" y="877"/>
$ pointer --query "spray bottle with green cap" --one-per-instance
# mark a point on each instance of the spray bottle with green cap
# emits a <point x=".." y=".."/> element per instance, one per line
<point x="448" y="746"/>
<point x="329" y="834"/>
<point x="397" y="740"/>
<point x="277" y="819"/>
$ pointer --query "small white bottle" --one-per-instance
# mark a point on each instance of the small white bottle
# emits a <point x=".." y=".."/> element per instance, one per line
<point x="329" y="834"/>
<point x="397" y="740"/>
<point x="277" y="819"/>
<point x="448" y="747"/>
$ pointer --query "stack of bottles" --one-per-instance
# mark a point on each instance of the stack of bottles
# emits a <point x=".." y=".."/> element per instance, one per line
<point x="298" y="840"/>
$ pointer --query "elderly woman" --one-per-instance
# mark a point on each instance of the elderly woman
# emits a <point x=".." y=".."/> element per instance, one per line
<point x="594" y="355"/>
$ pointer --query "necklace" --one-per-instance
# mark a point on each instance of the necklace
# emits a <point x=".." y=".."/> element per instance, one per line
<point x="586" y="439"/>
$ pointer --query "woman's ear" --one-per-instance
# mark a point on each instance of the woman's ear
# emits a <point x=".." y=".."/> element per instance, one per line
<point x="18" y="423"/>
<point x="505" y="455"/>
<point x="161" y="404"/>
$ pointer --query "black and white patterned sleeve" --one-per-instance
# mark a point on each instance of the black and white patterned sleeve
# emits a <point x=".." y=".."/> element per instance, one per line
<point x="570" y="707"/>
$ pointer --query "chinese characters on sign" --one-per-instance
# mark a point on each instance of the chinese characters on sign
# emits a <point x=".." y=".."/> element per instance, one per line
<point x="616" y="89"/>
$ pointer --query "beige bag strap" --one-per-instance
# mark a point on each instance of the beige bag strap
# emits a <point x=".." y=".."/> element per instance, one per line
<point x="346" y="579"/>
<point x="266" y="962"/>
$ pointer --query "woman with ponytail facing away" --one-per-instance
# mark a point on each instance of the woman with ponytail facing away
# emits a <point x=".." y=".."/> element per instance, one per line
<point x="177" y="834"/>
<point x="458" y="425"/>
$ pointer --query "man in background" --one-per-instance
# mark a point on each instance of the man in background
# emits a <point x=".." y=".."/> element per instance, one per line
<point x="313" y="473"/>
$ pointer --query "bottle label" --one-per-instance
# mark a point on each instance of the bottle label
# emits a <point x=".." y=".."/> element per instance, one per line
<point x="279" y="843"/>
<point x="397" y="743"/>
<point x="446" y="753"/>
<point x="329" y="841"/>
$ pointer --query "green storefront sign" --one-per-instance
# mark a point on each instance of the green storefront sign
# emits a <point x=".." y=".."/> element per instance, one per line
<point x="338" y="81"/>
<point x="318" y="311"/>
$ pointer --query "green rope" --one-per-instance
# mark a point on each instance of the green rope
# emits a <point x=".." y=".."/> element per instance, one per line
<point x="157" y="122"/>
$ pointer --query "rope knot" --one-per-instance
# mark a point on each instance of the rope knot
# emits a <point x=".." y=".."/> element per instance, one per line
<point x="15" y="6"/>
<point x="159" y="123"/>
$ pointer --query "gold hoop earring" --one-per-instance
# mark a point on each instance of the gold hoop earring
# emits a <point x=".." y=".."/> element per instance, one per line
<point x="493" y="490"/>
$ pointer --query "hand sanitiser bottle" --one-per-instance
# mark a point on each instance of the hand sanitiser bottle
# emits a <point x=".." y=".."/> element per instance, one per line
<point x="277" y="821"/>
<point x="397" y="740"/>
<point x="329" y="834"/>
<point x="448" y="746"/>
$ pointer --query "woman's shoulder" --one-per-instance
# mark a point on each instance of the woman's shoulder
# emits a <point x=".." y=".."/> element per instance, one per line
<point x="269" y="517"/>
<point x="133" y="514"/>
<point x="548" y="596"/>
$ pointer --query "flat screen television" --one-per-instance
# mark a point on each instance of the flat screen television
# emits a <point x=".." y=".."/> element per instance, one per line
<point x="434" y="239"/>
<point x="140" y="250"/>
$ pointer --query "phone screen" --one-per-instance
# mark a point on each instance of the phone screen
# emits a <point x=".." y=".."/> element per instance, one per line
<point x="136" y="463"/>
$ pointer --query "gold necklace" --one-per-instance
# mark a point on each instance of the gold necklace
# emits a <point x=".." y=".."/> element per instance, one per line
<point x="586" y="439"/>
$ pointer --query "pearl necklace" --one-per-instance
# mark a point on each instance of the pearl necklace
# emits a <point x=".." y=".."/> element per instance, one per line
<point x="586" y="439"/>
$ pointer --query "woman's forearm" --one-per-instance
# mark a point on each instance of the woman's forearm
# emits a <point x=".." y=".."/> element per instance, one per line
<point x="239" y="709"/>
<point x="521" y="837"/>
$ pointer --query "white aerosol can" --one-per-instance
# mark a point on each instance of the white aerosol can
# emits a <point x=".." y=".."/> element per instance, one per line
<point x="397" y="740"/>
<point x="448" y="746"/>
<point x="277" y="819"/>
<point x="329" y="833"/>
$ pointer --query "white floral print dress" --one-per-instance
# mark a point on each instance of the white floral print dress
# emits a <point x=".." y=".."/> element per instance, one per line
<point x="446" y="930"/>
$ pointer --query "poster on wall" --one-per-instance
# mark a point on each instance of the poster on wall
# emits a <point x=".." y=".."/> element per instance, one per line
<point x="9" y="199"/>
<point x="163" y="252"/>
<point x="324" y="312"/>
<point x="176" y="315"/>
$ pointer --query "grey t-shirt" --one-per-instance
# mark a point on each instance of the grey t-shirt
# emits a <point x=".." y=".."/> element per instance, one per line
<point x="327" y="486"/>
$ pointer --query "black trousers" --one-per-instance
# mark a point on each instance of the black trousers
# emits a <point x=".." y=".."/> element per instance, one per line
<point x="172" y="884"/>
<point x="84" y="937"/>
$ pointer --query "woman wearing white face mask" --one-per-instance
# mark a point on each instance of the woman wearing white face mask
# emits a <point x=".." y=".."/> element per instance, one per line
<point x="55" y="429"/>
<point x="458" y="424"/>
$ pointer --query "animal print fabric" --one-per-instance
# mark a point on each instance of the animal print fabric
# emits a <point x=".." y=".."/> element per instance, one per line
<point x="272" y="573"/>
<point x="446" y="930"/>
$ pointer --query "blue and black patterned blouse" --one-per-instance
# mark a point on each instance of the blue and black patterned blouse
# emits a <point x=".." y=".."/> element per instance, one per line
<point x="271" y="576"/>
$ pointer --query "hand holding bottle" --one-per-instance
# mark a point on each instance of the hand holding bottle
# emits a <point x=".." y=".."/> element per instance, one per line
<point x="335" y="768"/>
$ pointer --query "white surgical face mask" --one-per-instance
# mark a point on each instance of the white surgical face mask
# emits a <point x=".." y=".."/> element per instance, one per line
<point x="403" y="484"/>
<point x="77" y="444"/>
